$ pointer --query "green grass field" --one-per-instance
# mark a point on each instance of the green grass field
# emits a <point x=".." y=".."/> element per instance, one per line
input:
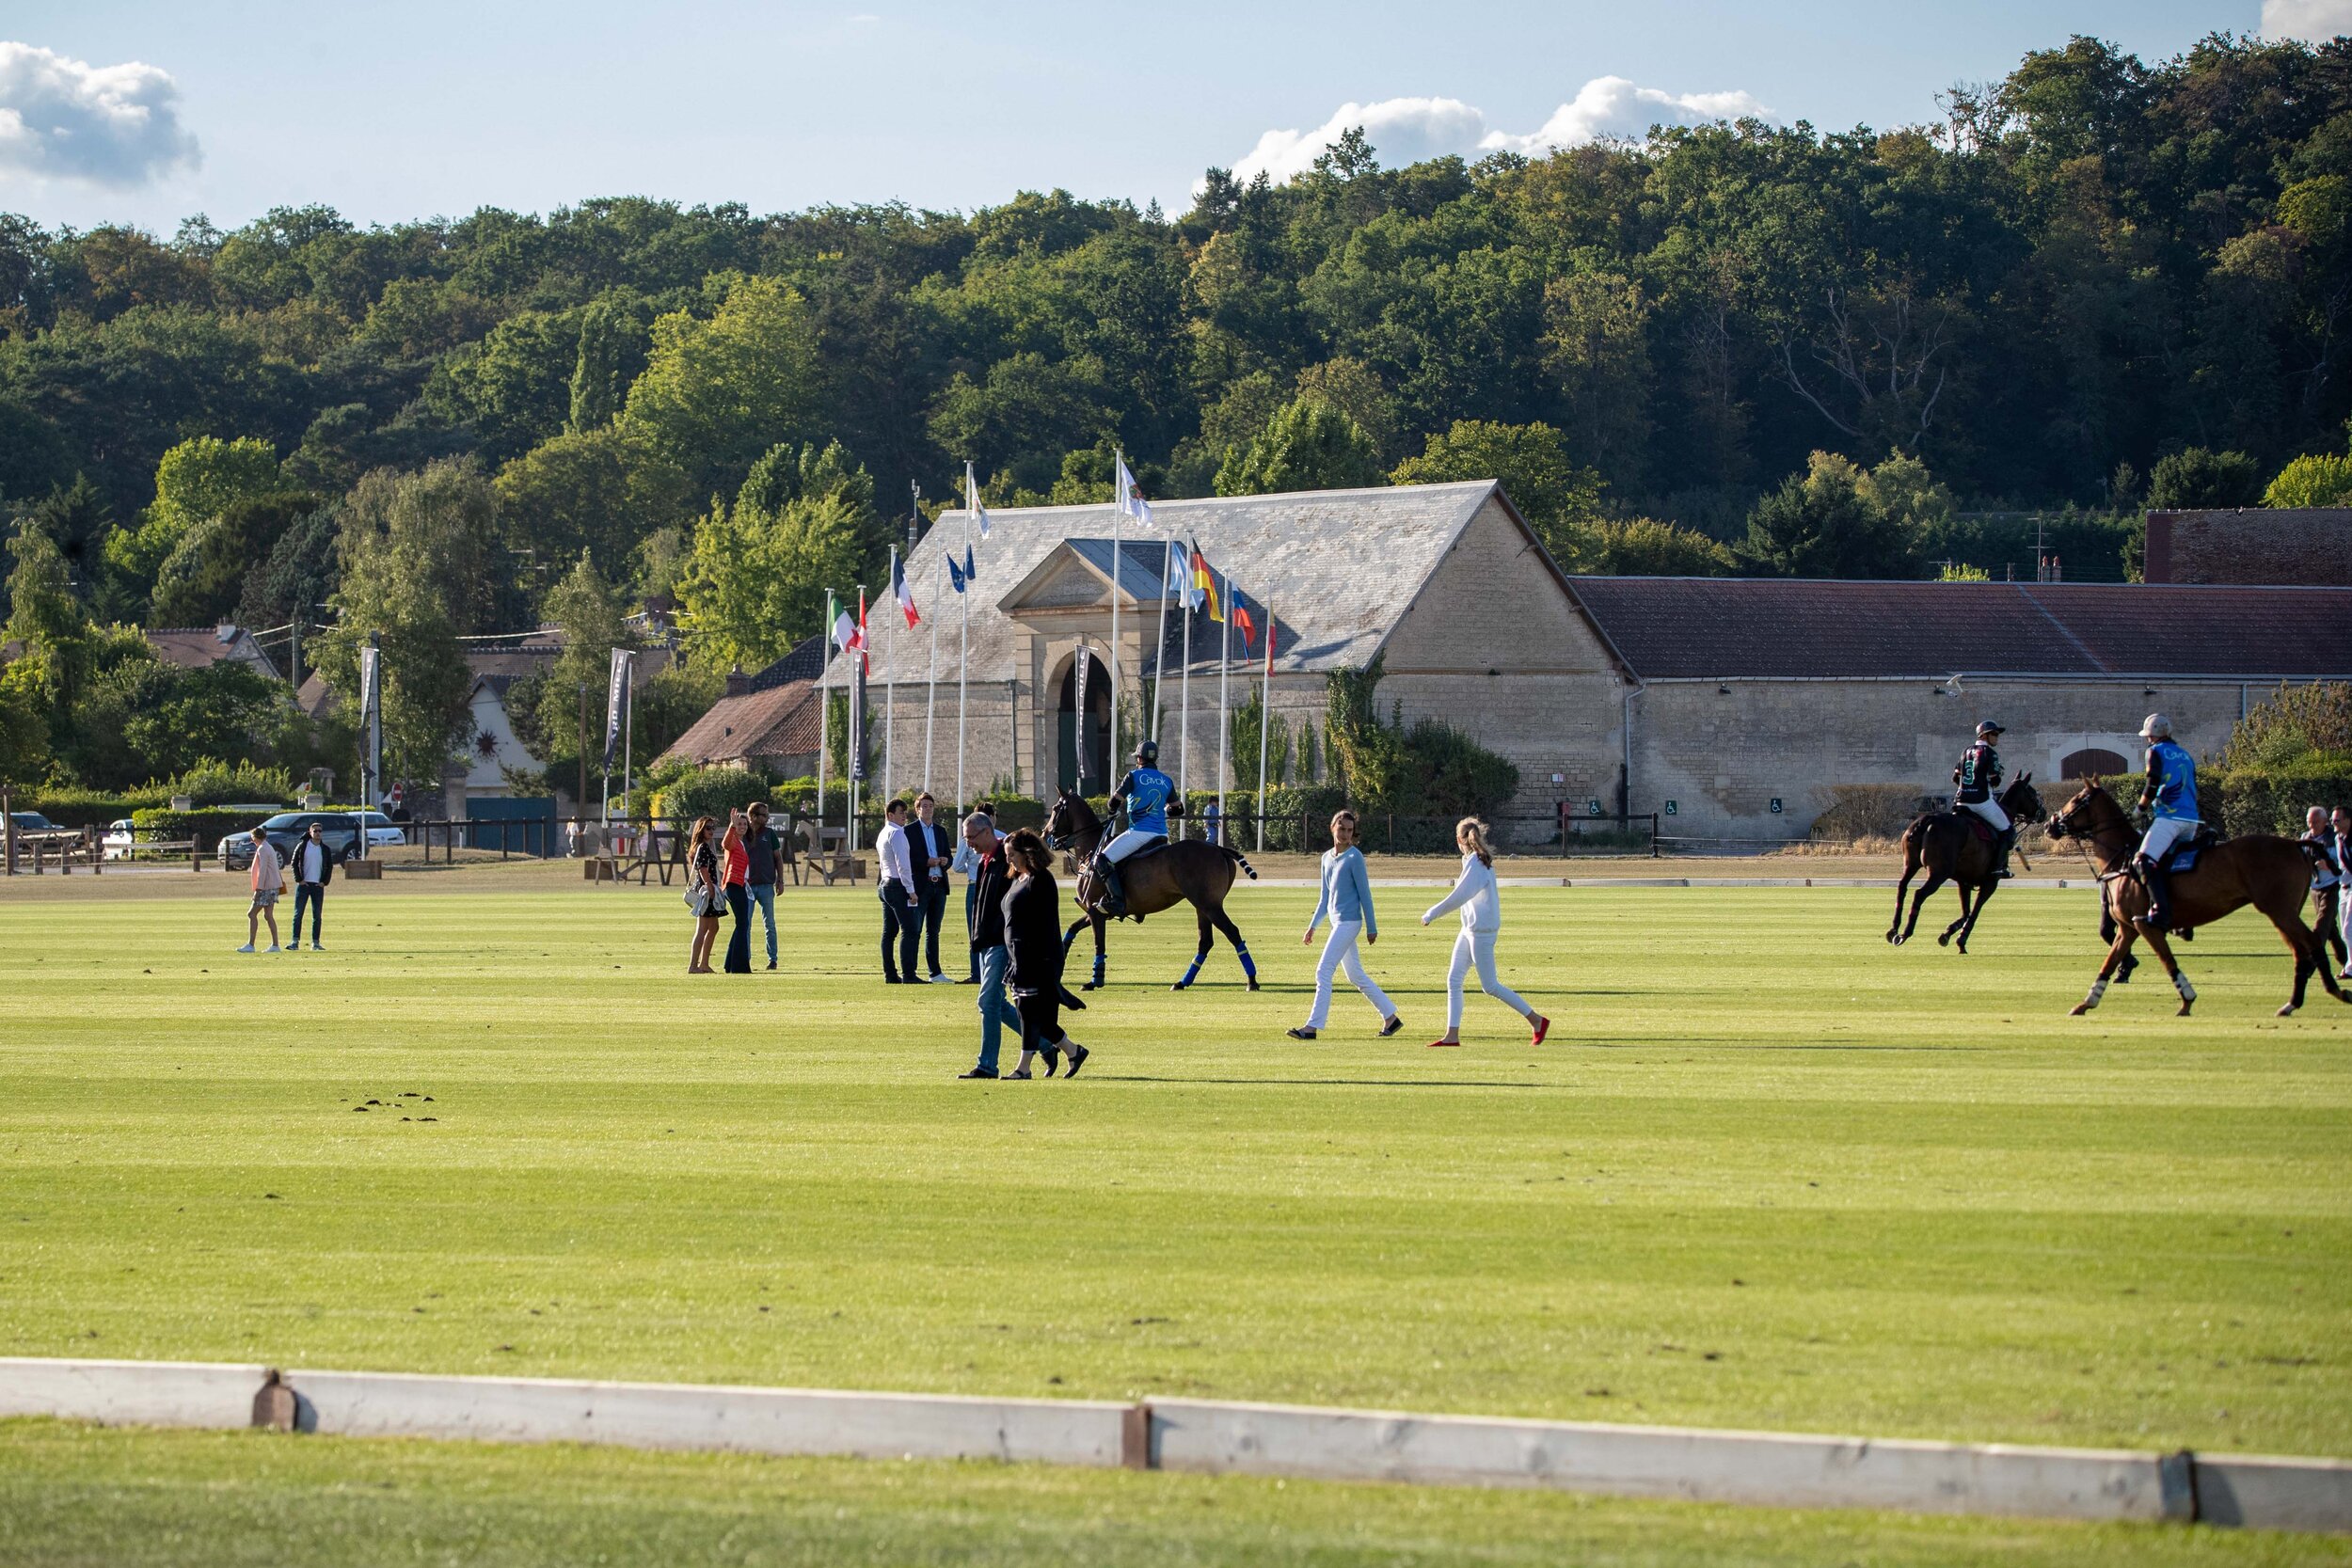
<point x="1767" y="1173"/>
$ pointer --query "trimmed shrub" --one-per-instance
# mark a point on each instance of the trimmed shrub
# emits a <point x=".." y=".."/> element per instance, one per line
<point x="712" y="792"/>
<point x="2273" y="800"/>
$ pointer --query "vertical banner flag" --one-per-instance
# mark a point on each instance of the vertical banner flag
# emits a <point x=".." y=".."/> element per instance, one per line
<point x="615" y="693"/>
<point x="1078" y="730"/>
<point x="972" y="507"/>
<point x="371" y="725"/>
<point x="857" y="694"/>
<point x="370" y="691"/>
<point x="901" y="592"/>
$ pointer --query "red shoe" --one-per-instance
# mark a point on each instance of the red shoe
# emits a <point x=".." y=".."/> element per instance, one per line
<point x="1440" y="1045"/>
<point x="1543" y="1027"/>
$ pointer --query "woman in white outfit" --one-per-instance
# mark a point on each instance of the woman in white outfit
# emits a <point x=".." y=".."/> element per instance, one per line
<point x="1347" y="897"/>
<point x="1481" y="905"/>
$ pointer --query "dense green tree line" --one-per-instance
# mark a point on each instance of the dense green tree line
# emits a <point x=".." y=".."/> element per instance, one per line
<point x="2099" y="283"/>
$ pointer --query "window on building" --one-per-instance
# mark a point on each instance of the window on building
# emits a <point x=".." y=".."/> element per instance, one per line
<point x="2092" y="762"/>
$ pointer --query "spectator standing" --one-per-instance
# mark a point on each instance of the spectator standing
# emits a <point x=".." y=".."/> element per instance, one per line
<point x="932" y="853"/>
<point x="739" y="865"/>
<point x="983" y="853"/>
<point x="966" y="864"/>
<point x="706" y="894"/>
<point x="313" y="868"/>
<point x="1347" y="897"/>
<point x="2327" y="881"/>
<point x="903" y="905"/>
<point x="1480" y="903"/>
<point x="267" y="882"/>
<point x="1212" y="822"/>
<point x="764" y="846"/>
<point x="1032" y="911"/>
<point x="2341" y="822"/>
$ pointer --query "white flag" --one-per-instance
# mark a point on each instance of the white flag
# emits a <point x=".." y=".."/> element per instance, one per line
<point x="1129" y="496"/>
<point x="972" y="507"/>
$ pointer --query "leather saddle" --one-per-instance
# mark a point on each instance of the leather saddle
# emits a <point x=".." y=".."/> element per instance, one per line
<point x="2184" y="856"/>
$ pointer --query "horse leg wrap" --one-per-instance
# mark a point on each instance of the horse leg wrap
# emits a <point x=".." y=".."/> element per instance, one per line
<point x="1190" y="975"/>
<point x="2180" y="983"/>
<point x="2098" y="990"/>
<point x="1098" y="968"/>
<point x="1248" y="964"/>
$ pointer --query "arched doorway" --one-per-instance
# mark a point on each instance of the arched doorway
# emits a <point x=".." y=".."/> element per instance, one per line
<point x="2092" y="762"/>
<point x="1097" y="728"/>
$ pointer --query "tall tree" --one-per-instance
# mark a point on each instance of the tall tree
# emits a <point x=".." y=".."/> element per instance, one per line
<point x="1308" y="445"/>
<point x="717" y="393"/>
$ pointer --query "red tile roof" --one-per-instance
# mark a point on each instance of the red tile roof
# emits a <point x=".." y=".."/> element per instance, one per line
<point x="1710" y="627"/>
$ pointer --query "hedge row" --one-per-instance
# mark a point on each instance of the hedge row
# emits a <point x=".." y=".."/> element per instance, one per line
<point x="207" y="825"/>
<point x="2273" y="799"/>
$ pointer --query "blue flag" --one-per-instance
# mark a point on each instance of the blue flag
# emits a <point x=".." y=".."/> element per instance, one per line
<point x="971" y="573"/>
<point x="955" y="574"/>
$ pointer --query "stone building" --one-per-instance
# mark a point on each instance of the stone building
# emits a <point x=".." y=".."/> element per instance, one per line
<point x="1734" y="707"/>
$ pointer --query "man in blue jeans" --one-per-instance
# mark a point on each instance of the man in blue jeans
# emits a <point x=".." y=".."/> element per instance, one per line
<point x="766" y="851"/>
<point x="991" y="879"/>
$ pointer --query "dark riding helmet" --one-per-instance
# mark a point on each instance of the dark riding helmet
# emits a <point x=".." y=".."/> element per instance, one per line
<point x="1987" y="730"/>
<point x="1148" y="753"/>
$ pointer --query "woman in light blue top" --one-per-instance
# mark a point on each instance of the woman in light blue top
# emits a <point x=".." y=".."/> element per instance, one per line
<point x="1348" y="898"/>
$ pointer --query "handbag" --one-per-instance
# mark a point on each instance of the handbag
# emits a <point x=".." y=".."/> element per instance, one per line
<point x="698" y="901"/>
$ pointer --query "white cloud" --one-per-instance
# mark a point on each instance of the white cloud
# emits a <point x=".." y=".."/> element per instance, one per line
<point x="2315" y="21"/>
<point x="1408" y="130"/>
<point x="109" y="125"/>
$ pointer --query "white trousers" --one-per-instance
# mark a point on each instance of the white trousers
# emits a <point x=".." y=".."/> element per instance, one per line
<point x="2164" y="833"/>
<point x="1340" y="948"/>
<point x="1990" y="810"/>
<point x="1128" y="843"/>
<point x="1477" y="946"/>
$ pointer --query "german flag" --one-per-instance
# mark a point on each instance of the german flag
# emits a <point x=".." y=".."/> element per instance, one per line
<point x="1205" y="584"/>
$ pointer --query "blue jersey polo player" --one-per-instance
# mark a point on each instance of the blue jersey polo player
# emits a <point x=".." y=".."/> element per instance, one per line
<point x="1978" y="778"/>
<point x="2169" y="796"/>
<point x="1145" y="797"/>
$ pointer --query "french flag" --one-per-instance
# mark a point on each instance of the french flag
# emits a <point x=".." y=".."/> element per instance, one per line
<point x="900" y="589"/>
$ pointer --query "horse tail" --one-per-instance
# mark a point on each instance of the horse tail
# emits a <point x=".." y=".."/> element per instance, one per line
<point x="1241" y="860"/>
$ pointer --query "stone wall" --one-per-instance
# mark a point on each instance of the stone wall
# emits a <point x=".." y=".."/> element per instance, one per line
<point x="1718" y="755"/>
<point x="2309" y="547"/>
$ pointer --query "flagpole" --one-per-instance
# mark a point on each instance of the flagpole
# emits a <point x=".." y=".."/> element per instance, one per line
<point x="1224" y="713"/>
<point x="1265" y="718"/>
<point x="1183" y="724"/>
<point x="931" y="686"/>
<point x="857" y="726"/>
<point x="1119" y="516"/>
<point x="890" y="682"/>
<point x="824" y="712"/>
<point x="1159" y="649"/>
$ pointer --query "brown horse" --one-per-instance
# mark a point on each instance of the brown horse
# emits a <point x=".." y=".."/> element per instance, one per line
<point x="2273" y="873"/>
<point x="1191" y="871"/>
<point x="1946" y="843"/>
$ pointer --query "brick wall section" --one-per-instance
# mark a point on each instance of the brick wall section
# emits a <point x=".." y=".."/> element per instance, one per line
<point x="1722" y="756"/>
<point x="2308" y="546"/>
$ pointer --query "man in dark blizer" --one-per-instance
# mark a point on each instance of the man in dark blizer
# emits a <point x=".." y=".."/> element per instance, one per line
<point x="313" y="868"/>
<point x="984" y="910"/>
<point x="933" y="851"/>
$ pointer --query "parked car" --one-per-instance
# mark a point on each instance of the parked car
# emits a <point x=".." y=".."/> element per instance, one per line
<point x="340" y="830"/>
<point x="33" y="822"/>
<point x="119" y="839"/>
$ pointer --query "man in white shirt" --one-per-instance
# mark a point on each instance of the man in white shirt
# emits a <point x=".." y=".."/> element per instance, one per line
<point x="313" y="868"/>
<point x="901" y="899"/>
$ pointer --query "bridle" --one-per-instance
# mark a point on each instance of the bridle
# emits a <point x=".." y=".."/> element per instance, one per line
<point x="2062" y="826"/>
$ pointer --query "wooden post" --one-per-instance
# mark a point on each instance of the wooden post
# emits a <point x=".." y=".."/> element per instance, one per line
<point x="8" y="833"/>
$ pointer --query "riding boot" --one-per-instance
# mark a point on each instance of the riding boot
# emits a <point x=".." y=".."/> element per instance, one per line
<point x="1112" y="897"/>
<point x="2003" y="841"/>
<point x="2159" y="885"/>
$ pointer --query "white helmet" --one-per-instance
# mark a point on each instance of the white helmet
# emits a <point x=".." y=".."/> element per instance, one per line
<point x="2155" y="727"/>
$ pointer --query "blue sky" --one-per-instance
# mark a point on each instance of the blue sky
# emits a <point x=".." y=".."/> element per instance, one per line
<point x="396" y="111"/>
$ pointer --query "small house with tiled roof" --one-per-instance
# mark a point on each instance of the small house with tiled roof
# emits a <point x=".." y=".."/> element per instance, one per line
<point x="196" y="647"/>
<point x="770" y="721"/>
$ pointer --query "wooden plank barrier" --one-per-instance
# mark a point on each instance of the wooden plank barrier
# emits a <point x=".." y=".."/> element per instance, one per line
<point x="1684" y="1463"/>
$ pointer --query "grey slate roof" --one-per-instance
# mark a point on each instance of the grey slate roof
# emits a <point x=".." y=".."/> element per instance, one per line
<point x="1670" y="628"/>
<point x="1338" y="566"/>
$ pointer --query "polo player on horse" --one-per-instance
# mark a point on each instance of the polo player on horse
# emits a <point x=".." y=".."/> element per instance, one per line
<point x="2171" y="794"/>
<point x="1978" y="775"/>
<point x="1145" y="797"/>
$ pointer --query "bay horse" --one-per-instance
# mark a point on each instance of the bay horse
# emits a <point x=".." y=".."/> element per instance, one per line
<point x="1949" y="845"/>
<point x="2271" y="873"/>
<point x="1185" y="871"/>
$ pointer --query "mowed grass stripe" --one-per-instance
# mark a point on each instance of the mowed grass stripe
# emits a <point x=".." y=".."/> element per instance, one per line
<point x="1950" y="1211"/>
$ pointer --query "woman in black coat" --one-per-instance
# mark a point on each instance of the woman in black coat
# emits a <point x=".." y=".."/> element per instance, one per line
<point x="1033" y="938"/>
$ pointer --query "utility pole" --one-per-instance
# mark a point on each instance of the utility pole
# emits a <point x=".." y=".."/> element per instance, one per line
<point x="580" y="800"/>
<point x="293" y="652"/>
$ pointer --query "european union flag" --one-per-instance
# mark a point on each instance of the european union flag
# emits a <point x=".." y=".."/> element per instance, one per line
<point x="955" y="574"/>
